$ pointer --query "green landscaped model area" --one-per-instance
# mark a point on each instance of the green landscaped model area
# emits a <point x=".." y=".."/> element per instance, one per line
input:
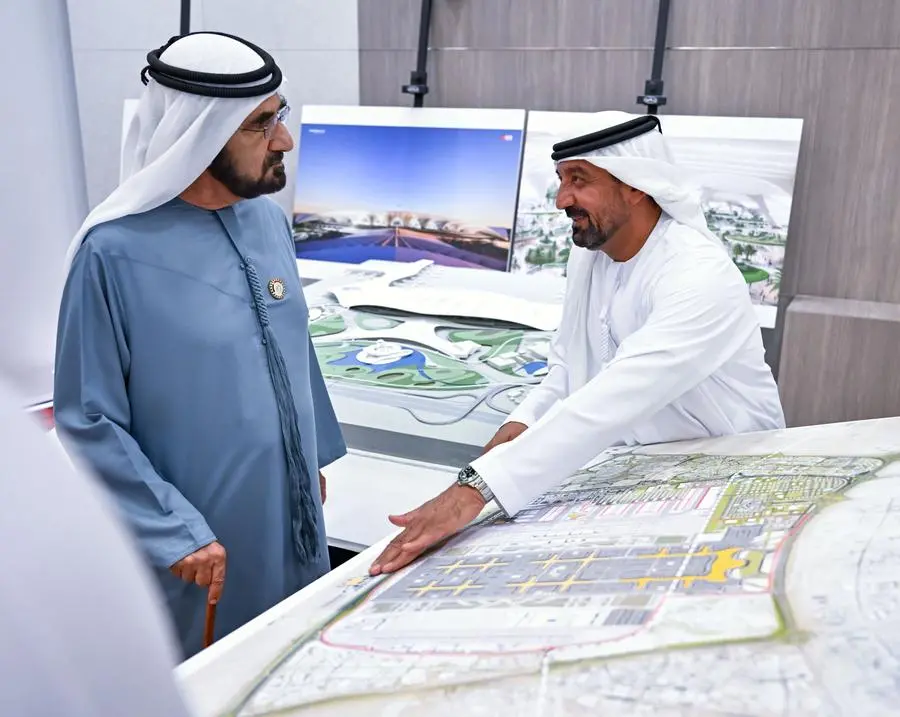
<point x="375" y="363"/>
<point x="497" y="340"/>
<point x="510" y="351"/>
<point x="362" y="347"/>
<point x="374" y="322"/>
<point x="327" y="325"/>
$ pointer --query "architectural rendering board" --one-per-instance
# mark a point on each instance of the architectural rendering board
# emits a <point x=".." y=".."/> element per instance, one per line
<point x="752" y="575"/>
<point x="422" y="350"/>
<point x="402" y="183"/>
<point x="741" y="168"/>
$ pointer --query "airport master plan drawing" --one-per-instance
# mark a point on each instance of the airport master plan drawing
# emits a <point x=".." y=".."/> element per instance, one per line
<point x="648" y="584"/>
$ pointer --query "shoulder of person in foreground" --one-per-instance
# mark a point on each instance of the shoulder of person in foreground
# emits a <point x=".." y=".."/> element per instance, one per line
<point x="84" y="627"/>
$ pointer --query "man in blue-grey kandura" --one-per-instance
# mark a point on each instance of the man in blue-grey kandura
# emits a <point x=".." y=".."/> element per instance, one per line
<point x="185" y="374"/>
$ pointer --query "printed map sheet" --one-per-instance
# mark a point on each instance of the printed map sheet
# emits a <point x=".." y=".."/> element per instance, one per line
<point x="655" y="583"/>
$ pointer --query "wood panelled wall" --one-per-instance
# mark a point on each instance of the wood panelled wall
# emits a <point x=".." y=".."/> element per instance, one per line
<point x="834" y="63"/>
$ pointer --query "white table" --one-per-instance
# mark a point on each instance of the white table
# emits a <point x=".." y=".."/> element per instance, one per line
<point x="795" y="613"/>
<point x="364" y="488"/>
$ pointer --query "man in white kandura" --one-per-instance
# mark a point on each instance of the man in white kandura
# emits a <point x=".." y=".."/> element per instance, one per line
<point x="658" y="341"/>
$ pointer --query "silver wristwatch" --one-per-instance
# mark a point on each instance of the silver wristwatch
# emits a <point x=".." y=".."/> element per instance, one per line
<point x="469" y="476"/>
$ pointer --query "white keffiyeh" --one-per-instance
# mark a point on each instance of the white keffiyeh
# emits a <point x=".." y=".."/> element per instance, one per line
<point x="174" y="136"/>
<point x="645" y="164"/>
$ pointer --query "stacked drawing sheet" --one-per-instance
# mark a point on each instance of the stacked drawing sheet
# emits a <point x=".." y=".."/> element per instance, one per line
<point x="753" y="575"/>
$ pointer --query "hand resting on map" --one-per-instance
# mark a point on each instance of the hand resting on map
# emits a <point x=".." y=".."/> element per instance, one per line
<point x="439" y="518"/>
<point x="427" y="525"/>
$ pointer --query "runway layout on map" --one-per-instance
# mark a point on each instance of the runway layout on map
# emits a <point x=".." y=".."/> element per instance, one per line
<point x="644" y="585"/>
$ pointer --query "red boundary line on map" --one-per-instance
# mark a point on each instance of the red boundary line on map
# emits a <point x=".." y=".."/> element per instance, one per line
<point x="777" y="554"/>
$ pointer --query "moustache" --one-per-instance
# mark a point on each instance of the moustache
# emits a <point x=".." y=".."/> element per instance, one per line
<point x="576" y="213"/>
<point x="274" y="158"/>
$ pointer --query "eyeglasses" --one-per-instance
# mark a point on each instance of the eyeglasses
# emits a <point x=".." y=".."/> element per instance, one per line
<point x="280" y="117"/>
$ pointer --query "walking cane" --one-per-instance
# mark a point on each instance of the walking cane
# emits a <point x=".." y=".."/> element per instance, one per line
<point x="210" y="626"/>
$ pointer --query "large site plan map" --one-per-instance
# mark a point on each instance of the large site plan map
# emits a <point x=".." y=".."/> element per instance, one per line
<point x="648" y="584"/>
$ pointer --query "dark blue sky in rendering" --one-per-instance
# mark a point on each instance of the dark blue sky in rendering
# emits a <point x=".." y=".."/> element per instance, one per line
<point x="466" y="174"/>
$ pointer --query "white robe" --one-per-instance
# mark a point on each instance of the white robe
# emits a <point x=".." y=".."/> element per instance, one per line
<point x="663" y="347"/>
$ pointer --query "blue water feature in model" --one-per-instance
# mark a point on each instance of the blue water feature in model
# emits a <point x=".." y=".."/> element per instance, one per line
<point x="534" y="366"/>
<point x="416" y="360"/>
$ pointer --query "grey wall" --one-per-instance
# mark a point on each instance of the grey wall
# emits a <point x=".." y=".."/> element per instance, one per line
<point x="314" y="42"/>
<point x="834" y="63"/>
<point x="42" y="193"/>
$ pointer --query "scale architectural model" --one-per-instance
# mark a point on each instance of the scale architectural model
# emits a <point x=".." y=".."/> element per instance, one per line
<point x="751" y="575"/>
<point x="444" y="353"/>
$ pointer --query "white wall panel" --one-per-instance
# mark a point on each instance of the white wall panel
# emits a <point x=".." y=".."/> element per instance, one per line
<point x="284" y="24"/>
<point x="316" y="43"/>
<point x="314" y="77"/>
<point x="122" y="24"/>
<point x="42" y="191"/>
<point x="105" y="78"/>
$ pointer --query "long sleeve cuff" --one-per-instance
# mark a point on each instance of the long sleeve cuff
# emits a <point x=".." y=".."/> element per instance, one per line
<point x="507" y="495"/>
<point x="523" y="413"/>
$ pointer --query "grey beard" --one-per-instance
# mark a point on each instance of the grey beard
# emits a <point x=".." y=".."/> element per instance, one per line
<point x="589" y="238"/>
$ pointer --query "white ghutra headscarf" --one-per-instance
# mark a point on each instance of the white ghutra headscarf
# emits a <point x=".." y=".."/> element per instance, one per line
<point x="175" y="134"/>
<point x="643" y="162"/>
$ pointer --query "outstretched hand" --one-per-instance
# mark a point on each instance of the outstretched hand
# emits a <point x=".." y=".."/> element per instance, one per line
<point x="428" y="524"/>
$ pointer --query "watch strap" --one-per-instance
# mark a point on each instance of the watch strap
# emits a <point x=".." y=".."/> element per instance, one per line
<point x="470" y="477"/>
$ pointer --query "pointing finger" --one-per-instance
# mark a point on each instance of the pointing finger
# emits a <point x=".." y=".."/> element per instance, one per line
<point x="395" y="547"/>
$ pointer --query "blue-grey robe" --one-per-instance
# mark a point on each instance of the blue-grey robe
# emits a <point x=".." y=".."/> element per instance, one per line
<point x="162" y="385"/>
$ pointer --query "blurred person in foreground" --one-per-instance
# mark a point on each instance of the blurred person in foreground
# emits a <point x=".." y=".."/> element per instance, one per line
<point x="185" y="374"/>
<point x="658" y="340"/>
<point x="85" y="632"/>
